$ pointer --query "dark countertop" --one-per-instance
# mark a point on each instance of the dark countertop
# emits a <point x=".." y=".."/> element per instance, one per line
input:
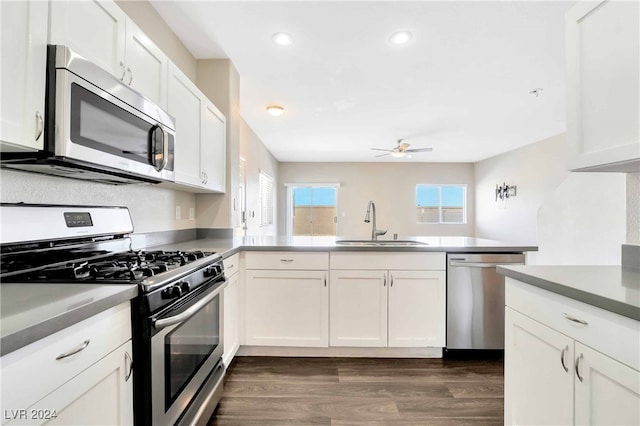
<point x="613" y="288"/>
<point x="229" y="246"/>
<point x="30" y="312"/>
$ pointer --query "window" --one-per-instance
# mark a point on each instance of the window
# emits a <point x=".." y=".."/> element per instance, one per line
<point x="311" y="209"/>
<point x="266" y="199"/>
<point x="441" y="203"/>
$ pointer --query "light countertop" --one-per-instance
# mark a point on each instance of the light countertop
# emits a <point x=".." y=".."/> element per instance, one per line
<point x="613" y="288"/>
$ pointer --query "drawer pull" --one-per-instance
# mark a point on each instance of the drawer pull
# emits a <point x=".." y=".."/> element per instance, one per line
<point x="565" y="349"/>
<point x="286" y="260"/>
<point x="231" y="266"/>
<point x="570" y="318"/>
<point x="74" y="350"/>
<point x="578" y="368"/>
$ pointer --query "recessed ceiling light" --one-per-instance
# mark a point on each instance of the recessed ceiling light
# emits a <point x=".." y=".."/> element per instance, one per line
<point x="282" y="39"/>
<point x="400" y="37"/>
<point x="275" y="110"/>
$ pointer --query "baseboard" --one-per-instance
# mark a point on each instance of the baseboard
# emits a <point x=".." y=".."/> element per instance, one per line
<point x="340" y="352"/>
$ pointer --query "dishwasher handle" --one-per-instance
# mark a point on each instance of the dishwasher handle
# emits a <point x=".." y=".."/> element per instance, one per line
<point x="482" y="264"/>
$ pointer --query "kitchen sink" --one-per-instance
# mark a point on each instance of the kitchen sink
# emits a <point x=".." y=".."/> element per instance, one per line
<point x="380" y="243"/>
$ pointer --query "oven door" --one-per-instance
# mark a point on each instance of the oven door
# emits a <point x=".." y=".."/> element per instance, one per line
<point x="185" y="349"/>
<point x="94" y="126"/>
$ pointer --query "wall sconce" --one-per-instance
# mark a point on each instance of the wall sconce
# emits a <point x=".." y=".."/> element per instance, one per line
<point x="505" y="191"/>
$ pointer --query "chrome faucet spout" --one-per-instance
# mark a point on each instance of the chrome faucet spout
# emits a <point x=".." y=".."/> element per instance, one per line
<point x="371" y="211"/>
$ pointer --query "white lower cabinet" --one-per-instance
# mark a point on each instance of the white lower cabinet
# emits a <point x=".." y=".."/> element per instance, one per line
<point x="286" y="308"/>
<point x="81" y="375"/>
<point x="552" y="378"/>
<point x="390" y="307"/>
<point x="231" y="314"/>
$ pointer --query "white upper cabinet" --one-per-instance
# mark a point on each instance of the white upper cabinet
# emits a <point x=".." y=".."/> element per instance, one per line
<point x="603" y="88"/>
<point x="102" y="33"/>
<point x="185" y="105"/>
<point x="94" y="29"/>
<point x="213" y="148"/>
<point x="24" y="50"/>
<point x="146" y="65"/>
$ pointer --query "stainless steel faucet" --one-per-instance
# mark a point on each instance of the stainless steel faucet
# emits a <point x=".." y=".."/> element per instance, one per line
<point x="367" y="219"/>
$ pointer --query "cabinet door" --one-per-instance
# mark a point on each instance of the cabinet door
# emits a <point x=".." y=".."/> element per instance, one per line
<point x="231" y="311"/>
<point x="417" y="301"/>
<point x="94" y="29"/>
<point x="213" y="148"/>
<point x="607" y="392"/>
<point x="358" y="308"/>
<point x="286" y="308"/>
<point x="538" y="383"/>
<point x="102" y="394"/>
<point x="184" y="104"/>
<point x="146" y="65"/>
<point x="23" y="38"/>
<point x="603" y="89"/>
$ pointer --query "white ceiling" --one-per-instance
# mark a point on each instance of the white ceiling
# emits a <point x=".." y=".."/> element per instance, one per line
<point x="460" y="86"/>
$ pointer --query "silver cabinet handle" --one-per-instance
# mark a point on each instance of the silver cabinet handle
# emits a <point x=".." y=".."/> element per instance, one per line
<point x="286" y="260"/>
<point x="130" y="76"/>
<point x="128" y="361"/>
<point x="565" y="349"/>
<point x="384" y="280"/>
<point x="391" y="277"/>
<point x="578" y="368"/>
<point x="39" y="125"/>
<point x="570" y="318"/>
<point x="231" y="266"/>
<point x="325" y="280"/>
<point x="73" y="351"/>
<point x="124" y="72"/>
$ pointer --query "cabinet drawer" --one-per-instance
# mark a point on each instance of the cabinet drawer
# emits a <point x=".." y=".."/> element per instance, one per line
<point x="231" y="264"/>
<point x="32" y="372"/>
<point x="614" y="335"/>
<point x="393" y="260"/>
<point x="287" y="260"/>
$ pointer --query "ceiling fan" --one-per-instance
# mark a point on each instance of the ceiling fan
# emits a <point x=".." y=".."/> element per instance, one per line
<point x="401" y="150"/>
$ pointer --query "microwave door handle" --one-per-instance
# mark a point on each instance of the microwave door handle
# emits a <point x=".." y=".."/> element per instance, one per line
<point x="165" y="148"/>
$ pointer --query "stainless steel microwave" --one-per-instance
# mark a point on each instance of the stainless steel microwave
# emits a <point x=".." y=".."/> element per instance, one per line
<point x="98" y="128"/>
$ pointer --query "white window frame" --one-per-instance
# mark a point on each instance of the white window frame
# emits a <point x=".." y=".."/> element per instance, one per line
<point x="266" y="200"/>
<point x="440" y="186"/>
<point x="290" y="188"/>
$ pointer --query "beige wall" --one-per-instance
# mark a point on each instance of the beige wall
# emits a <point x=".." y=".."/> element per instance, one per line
<point x="574" y="218"/>
<point x="391" y="186"/>
<point x="258" y="158"/>
<point x="152" y="24"/>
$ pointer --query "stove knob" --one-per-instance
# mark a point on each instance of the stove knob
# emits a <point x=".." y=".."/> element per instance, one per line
<point x="210" y="272"/>
<point x="172" y="292"/>
<point x="185" y="286"/>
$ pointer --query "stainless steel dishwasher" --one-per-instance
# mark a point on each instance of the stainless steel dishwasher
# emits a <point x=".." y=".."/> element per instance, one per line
<point x="475" y="299"/>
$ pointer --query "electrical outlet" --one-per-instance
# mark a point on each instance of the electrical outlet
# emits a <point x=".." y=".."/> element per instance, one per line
<point x="192" y="213"/>
<point x="178" y="213"/>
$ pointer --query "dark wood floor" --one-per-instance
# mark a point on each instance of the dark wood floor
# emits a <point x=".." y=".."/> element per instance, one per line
<point x="361" y="391"/>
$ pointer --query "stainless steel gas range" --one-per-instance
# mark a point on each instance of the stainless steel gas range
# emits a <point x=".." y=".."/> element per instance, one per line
<point x="176" y="318"/>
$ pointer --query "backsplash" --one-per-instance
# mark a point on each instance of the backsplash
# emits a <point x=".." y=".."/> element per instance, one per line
<point x="152" y="208"/>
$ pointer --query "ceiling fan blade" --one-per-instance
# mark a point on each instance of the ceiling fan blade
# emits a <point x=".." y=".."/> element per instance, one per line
<point x="381" y="155"/>
<point x="419" y="150"/>
<point x="380" y="149"/>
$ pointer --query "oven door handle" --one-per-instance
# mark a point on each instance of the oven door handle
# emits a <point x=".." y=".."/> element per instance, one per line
<point x="166" y="322"/>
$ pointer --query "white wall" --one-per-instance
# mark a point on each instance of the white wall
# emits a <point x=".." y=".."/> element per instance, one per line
<point x="391" y="186"/>
<point x="536" y="170"/>
<point x="258" y="158"/>
<point x="574" y="218"/>
<point x="152" y="208"/>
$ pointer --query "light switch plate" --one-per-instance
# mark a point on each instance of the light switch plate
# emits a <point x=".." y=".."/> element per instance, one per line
<point x="178" y="213"/>
<point x="192" y="213"/>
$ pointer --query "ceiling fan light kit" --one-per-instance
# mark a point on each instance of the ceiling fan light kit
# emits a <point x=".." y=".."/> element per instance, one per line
<point x="401" y="151"/>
